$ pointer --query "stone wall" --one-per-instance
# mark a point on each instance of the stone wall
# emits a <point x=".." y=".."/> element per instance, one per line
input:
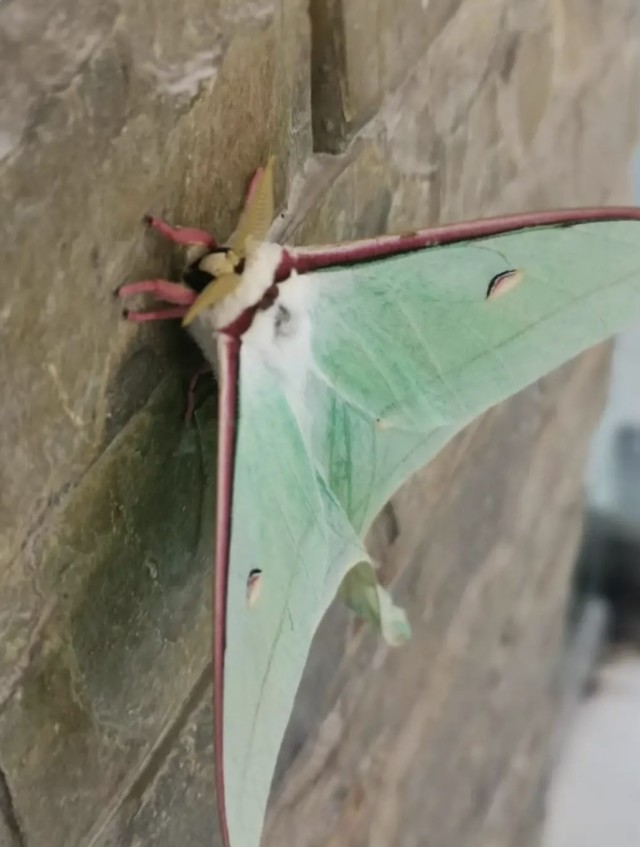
<point x="382" y="115"/>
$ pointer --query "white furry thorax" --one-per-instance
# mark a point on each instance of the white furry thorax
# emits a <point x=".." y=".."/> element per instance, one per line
<point x="257" y="277"/>
<point x="281" y="338"/>
<point x="280" y="335"/>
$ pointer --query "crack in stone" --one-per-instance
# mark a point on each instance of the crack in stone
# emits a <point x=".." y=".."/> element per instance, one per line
<point x="9" y="814"/>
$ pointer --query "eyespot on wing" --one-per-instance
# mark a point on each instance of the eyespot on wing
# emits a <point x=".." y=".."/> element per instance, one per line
<point x="504" y="282"/>
<point x="254" y="587"/>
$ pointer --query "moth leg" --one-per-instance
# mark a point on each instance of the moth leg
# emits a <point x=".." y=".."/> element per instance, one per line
<point x="162" y="289"/>
<point x="187" y="236"/>
<point x="204" y="368"/>
<point x="159" y="315"/>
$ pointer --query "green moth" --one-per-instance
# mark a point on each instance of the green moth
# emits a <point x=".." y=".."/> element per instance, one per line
<point x="342" y="370"/>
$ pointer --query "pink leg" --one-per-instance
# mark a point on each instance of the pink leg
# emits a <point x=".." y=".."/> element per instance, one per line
<point x="169" y="292"/>
<point x="160" y="315"/>
<point x="204" y="368"/>
<point x="184" y="235"/>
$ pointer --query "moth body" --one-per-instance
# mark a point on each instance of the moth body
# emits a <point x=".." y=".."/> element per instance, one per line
<point x="257" y="276"/>
<point x="281" y="336"/>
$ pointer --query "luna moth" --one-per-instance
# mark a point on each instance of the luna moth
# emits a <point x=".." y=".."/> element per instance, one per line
<point x="341" y="370"/>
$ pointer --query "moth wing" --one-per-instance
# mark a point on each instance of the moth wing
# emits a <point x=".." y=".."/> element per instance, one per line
<point x="276" y="515"/>
<point x="403" y="352"/>
<point x="407" y="350"/>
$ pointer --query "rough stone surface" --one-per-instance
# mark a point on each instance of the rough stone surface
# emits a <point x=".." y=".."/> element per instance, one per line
<point x="442" y="111"/>
<point x="362" y="49"/>
<point x="115" y="112"/>
<point x="171" y="801"/>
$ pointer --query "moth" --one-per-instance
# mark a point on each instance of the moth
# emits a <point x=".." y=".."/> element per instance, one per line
<point x="342" y="369"/>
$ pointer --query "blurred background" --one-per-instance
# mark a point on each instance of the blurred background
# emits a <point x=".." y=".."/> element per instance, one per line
<point x="383" y="115"/>
<point x="593" y="799"/>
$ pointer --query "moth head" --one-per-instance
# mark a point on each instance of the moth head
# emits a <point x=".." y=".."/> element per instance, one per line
<point x="222" y="269"/>
<point x="216" y="275"/>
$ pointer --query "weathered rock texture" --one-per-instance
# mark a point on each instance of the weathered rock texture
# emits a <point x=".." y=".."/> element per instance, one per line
<point x="437" y="111"/>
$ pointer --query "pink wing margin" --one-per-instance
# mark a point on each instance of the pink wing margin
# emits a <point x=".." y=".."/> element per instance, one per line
<point x="306" y="260"/>
<point x="228" y="373"/>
